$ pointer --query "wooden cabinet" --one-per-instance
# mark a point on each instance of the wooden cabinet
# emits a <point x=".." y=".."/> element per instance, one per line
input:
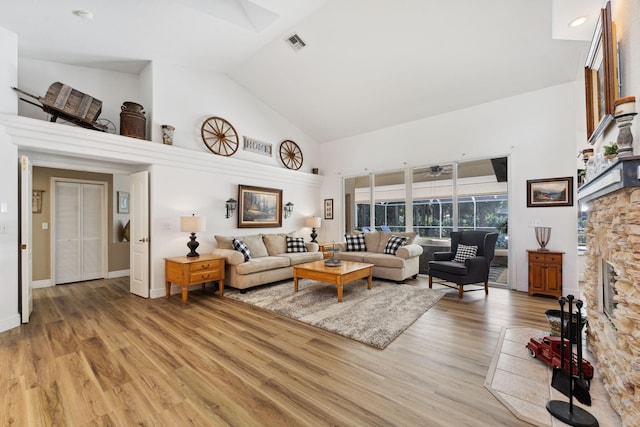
<point x="185" y="271"/>
<point x="545" y="273"/>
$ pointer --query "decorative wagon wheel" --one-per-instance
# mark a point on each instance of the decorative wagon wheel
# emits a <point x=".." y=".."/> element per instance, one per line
<point x="219" y="136"/>
<point x="291" y="155"/>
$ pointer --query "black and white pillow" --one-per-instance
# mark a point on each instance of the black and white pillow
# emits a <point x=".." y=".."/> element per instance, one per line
<point x="463" y="252"/>
<point x="240" y="246"/>
<point x="394" y="243"/>
<point x="356" y="243"/>
<point x="295" y="244"/>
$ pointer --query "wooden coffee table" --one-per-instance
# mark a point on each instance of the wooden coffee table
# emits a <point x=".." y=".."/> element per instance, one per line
<point x="340" y="275"/>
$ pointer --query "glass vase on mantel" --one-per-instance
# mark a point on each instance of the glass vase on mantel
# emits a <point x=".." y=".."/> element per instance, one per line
<point x="624" y="112"/>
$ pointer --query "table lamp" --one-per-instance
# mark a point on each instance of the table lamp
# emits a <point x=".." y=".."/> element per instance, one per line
<point x="192" y="224"/>
<point x="313" y="222"/>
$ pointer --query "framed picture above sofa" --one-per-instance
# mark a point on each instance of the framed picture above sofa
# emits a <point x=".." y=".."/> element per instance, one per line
<point x="259" y="207"/>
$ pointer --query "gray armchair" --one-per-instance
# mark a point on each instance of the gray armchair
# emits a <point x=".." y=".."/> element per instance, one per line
<point x="473" y="270"/>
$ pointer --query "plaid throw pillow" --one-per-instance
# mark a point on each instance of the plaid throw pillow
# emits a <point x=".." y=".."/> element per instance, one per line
<point x="356" y="243"/>
<point x="295" y="244"/>
<point x="465" y="252"/>
<point x="393" y="244"/>
<point x="239" y="246"/>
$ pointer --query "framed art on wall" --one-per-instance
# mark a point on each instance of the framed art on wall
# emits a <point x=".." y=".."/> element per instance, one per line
<point x="123" y="202"/>
<point x="36" y="201"/>
<point x="550" y="192"/>
<point x="259" y="207"/>
<point x="328" y="208"/>
<point x="601" y="76"/>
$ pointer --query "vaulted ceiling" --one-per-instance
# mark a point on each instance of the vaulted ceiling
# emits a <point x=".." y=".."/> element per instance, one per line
<point x="367" y="64"/>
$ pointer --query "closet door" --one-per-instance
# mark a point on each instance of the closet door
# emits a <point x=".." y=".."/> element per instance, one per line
<point x="92" y="231"/>
<point x="79" y="230"/>
<point x="68" y="232"/>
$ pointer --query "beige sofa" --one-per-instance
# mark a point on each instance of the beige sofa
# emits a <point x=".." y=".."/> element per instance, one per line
<point x="269" y="261"/>
<point x="404" y="264"/>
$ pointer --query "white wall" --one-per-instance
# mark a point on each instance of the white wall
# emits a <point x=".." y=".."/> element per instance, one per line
<point x="537" y="130"/>
<point x="110" y="87"/>
<point x="185" y="98"/>
<point x="9" y="316"/>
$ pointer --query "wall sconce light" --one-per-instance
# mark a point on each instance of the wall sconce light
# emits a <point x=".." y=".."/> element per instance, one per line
<point x="288" y="210"/>
<point x="313" y="222"/>
<point x="231" y="207"/>
<point x="192" y="224"/>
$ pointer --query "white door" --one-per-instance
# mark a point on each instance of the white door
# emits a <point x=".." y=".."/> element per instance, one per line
<point x="139" y="232"/>
<point x="26" y="297"/>
<point x="79" y="231"/>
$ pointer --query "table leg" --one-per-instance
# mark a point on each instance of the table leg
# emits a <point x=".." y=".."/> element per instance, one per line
<point x="370" y="280"/>
<point x="168" y="287"/>
<point x="185" y="292"/>
<point x="295" y="284"/>
<point x="221" y="287"/>
<point x="339" y="286"/>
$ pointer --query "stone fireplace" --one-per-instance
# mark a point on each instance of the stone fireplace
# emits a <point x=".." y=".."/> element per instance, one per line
<point x="612" y="284"/>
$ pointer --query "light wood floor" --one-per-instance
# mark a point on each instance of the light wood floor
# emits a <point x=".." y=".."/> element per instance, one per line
<point x="94" y="355"/>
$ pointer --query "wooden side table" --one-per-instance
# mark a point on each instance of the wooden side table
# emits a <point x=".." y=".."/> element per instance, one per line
<point x="545" y="273"/>
<point x="185" y="271"/>
<point x="322" y="247"/>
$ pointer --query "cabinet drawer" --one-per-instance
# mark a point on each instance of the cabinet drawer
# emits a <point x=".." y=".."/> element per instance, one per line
<point x="204" y="265"/>
<point x="205" y="275"/>
<point x="553" y="259"/>
<point x="536" y="257"/>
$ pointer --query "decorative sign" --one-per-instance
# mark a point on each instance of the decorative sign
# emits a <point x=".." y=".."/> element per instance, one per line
<point x="257" y="146"/>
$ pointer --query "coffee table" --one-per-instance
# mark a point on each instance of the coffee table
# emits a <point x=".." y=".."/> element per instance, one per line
<point x="340" y="275"/>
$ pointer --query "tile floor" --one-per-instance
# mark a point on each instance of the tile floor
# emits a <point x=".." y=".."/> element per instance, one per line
<point x="523" y="384"/>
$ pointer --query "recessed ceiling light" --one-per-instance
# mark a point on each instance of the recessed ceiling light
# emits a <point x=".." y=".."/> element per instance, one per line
<point x="578" y="21"/>
<point x="84" y="14"/>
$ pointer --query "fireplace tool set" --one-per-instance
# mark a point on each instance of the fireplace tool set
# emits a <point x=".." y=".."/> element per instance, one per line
<point x="569" y="378"/>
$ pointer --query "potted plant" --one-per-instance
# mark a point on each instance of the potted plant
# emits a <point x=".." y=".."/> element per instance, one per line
<point x="611" y="150"/>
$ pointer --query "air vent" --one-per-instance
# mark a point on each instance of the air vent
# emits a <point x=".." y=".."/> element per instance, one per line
<point x="295" y="42"/>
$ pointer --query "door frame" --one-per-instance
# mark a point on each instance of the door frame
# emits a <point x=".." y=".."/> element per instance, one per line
<point x="104" y="220"/>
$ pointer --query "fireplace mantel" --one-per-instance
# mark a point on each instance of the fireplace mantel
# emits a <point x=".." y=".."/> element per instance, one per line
<point x="625" y="172"/>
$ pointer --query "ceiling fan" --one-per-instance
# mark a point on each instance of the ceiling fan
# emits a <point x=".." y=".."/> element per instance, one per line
<point x="438" y="170"/>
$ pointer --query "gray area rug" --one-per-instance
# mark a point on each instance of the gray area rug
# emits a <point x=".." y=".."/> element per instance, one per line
<point x="374" y="317"/>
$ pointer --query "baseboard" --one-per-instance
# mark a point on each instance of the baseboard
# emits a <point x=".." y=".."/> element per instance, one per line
<point x="119" y="273"/>
<point x="41" y="284"/>
<point x="10" y="323"/>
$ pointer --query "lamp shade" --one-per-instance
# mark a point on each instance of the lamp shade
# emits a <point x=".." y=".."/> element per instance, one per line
<point x="313" y="221"/>
<point x="192" y="224"/>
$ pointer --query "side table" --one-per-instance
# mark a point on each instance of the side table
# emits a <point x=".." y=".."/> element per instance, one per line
<point x="185" y="271"/>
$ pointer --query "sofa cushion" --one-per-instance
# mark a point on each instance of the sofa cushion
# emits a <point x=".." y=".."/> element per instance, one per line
<point x="241" y="247"/>
<point x="225" y="242"/>
<point x="351" y="256"/>
<point x="275" y="243"/>
<point x="257" y="265"/>
<point x="372" y="240"/>
<point x="256" y="245"/>
<point x="465" y="251"/>
<point x="383" y="260"/>
<point x="302" y="257"/>
<point x="393" y="244"/>
<point x="356" y="243"/>
<point x="384" y="237"/>
<point x="295" y="244"/>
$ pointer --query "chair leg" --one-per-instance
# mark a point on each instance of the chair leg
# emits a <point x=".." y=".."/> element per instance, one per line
<point x="430" y="281"/>
<point x="486" y="287"/>
<point x="460" y="291"/>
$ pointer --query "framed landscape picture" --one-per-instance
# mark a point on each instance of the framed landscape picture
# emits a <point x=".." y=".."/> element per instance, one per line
<point x="550" y="192"/>
<point x="259" y="207"/>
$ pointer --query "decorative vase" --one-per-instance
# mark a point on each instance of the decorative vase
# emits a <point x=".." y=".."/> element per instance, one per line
<point x="133" y="123"/>
<point x="543" y="234"/>
<point x="167" y="134"/>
